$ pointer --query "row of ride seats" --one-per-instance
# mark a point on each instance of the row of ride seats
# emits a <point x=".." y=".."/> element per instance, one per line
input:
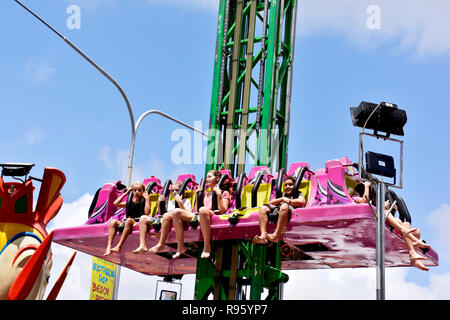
<point x="256" y="189"/>
<point x="329" y="186"/>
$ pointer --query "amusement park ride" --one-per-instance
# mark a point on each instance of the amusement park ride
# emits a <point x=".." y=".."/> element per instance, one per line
<point x="251" y="98"/>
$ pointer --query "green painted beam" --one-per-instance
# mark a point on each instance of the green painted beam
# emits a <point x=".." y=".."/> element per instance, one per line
<point x="241" y="46"/>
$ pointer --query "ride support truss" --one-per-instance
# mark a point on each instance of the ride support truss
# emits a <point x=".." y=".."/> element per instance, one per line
<point x="249" y="124"/>
<point x="252" y="82"/>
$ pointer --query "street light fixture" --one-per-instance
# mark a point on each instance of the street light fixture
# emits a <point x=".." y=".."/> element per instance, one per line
<point x="383" y="117"/>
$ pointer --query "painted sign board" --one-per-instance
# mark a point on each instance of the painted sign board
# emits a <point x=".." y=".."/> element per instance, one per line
<point x="102" y="279"/>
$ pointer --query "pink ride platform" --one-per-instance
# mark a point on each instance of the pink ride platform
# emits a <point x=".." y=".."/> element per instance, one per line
<point x="331" y="231"/>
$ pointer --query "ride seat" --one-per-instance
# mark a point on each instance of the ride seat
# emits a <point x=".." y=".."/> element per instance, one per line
<point x="305" y="186"/>
<point x="102" y="208"/>
<point x="189" y="190"/>
<point x="154" y="189"/>
<point x="321" y="194"/>
<point x="351" y="174"/>
<point x="252" y="199"/>
<point x="337" y="192"/>
<point x="258" y="175"/>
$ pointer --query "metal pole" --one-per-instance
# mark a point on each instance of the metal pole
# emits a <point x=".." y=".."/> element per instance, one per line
<point x="380" y="242"/>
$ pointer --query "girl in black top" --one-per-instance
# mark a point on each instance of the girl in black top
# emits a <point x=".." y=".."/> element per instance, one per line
<point x="285" y="204"/>
<point x="136" y="210"/>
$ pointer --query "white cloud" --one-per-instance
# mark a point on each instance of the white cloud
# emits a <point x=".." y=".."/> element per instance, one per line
<point x="38" y="70"/>
<point x="419" y="26"/>
<point x="210" y="5"/>
<point x="360" y="284"/>
<point x="72" y="214"/>
<point x="33" y="137"/>
<point x="439" y="284"/>
<point x="116" y="162"/>
<point x="138" y="286"/>
<point x="329" y="284"/>
<point x="77" y="284"/>
<point x="90" y="4"/>
<point x="105" y="157"/>
<point x="439" y="221"/>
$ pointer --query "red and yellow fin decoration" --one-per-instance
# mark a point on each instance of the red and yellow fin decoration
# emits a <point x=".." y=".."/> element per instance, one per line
<point x="49" y="200"/>
<point x="25" y="254"/>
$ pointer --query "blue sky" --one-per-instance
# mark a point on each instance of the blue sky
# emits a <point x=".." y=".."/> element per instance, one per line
<point x="58" y="111"/>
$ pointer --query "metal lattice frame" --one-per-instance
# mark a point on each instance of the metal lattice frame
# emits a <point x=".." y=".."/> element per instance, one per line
<point x="251" y="91"/>
<point x="249" y="120"/>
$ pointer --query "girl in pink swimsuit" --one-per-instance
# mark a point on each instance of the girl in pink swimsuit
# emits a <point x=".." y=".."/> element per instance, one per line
<point x="206" y="211"/>
<point x="181" y="216"/>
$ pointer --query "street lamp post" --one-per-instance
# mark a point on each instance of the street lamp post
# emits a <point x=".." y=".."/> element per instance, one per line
<point x="384" y="117"/>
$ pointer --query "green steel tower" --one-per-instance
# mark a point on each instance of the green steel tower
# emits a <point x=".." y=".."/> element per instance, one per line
<point x="249" y="125"/>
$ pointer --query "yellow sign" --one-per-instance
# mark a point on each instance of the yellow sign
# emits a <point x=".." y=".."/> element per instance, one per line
<point x="103" y="277"/>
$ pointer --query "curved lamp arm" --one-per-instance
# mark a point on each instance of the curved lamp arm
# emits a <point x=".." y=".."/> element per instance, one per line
<point x="138" y="122"/>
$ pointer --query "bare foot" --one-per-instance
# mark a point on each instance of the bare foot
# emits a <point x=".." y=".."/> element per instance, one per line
<point x="418" y="264"/>
<point x="259" y="240"/>
<point x="107" y="252"/>
<point x="159" y="247"/>
<point x="178" y="254"/>
<point x="273" y="237"/>
<point x="416" y="256"/>
<point x="420" y="244"/>
<point x="115" y="249"/>
<point x="412" y="230"/>
<point x="140" y="250"/>
<point x="205" y="255"/>
<point x="407" y="232"/>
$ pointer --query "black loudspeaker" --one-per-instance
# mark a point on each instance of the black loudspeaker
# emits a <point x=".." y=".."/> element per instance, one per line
<point x="381" y="164"/>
